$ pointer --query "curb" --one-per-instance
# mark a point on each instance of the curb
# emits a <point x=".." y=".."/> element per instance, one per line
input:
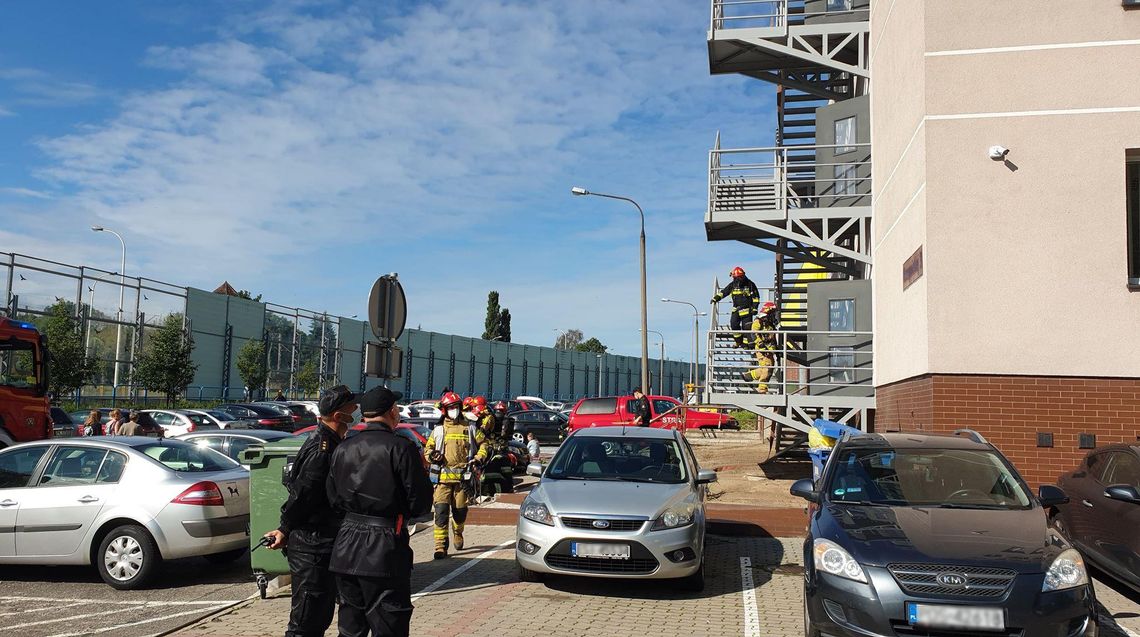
<point x="221" y="611"/>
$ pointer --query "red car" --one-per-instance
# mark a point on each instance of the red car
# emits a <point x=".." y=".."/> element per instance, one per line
<point x="664" y="412"/>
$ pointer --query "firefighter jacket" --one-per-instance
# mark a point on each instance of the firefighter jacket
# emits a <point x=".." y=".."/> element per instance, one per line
<point x="745" y="295"/>
<point x="459" y="444"/>
<point x="377" y="481"/>
<point x="496" y="441"/>
<point x="766" y="341"/>
<point x="307" y="519"/>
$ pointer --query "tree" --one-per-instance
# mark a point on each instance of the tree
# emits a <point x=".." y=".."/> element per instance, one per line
<point x="491" y="324"/>
<point x="568" y="340"/>
<point x="166" y="365"/>
<point x="244" y="294"/>
<point x="70" y="368"/>
<point x="251" y="365"/>
<point x="306" y="378"/>
<point x="593" y="346"/>
<point x="505" y="326"/>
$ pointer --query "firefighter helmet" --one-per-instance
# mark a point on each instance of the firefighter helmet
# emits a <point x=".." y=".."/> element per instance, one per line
<point x="468" y="403"/>
<point x="737" y="272"/>
<point x="480" y="404"/>
<point x="501" y="406"/>
<point x="450" y="399"/>
<point x="768" y="306"/>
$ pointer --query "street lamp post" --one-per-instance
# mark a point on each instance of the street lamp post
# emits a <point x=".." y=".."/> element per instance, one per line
<point x="579" y="191"/>
<point x="696" y="329"/>
<point x="661" y="366"/>
<point x="119" y="315"/>
<point x="90" y="305"/>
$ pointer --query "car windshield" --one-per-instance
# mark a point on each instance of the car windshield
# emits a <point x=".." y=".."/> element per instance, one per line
<point x="618" y="458"/>
<point x="187" y="458"/>
<point x="220" y="415"/>
<point x="950" y="478"/>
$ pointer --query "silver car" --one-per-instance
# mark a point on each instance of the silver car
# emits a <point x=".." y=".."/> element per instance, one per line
<point x="123" y="504"/>
<point x="619" y="502"/>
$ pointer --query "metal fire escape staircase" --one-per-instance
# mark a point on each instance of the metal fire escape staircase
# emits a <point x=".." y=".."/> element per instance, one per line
<point x="807" y="202"/>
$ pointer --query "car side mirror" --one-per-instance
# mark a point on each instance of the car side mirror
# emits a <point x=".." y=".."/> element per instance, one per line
<point x="705" y="476"/>
<point x="1123" y="493"/>
<point x="1050" y="495"/>
<point x="805" y="489"/>
<point x="534" y="469"/>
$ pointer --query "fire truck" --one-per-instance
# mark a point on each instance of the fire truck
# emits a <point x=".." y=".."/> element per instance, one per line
<point x="25" y="413"/>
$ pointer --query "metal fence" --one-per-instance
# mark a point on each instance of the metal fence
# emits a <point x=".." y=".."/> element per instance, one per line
<point x="303" y="348"/>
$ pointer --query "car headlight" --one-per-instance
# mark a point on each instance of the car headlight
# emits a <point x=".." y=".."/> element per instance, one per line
<point x="674" y="517"/>
<point x="537" y="512"/>
<point x="831" y="558"/>
<point x="1066" y="571"/>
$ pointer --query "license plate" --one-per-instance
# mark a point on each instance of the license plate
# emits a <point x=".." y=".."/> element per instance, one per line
<point x="944" y="616"/>
<point x="604" y="551"/>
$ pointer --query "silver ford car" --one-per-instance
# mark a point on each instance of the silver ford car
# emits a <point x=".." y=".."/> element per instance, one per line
<point x="618" y="502"/>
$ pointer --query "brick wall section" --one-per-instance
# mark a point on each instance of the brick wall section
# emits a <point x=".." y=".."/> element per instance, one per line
<point x="1010" y="410"/>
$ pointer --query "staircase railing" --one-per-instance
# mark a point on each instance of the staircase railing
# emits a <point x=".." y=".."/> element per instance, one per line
<point x="746" y="14"/>
<point x="831" y="370"/>
<point x="788" y="177"/>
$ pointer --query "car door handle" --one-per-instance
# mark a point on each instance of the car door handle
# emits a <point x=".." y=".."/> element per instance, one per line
<point x="8" y="503"/>
<point x="87" y="499"/>
<point x="1087" y="503"/>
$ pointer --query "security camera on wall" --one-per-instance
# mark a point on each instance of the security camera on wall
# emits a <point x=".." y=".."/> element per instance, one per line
<point x="998" y="153"/>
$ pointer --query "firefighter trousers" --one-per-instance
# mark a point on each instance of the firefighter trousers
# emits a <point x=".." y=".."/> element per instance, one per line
<point x="761" y="374"/>
<point x="738" y="322"/>
<point x="449" y="500"/>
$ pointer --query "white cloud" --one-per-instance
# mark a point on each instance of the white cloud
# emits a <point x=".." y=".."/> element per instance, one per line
<point x="26" y="192"/>
<point x="34" y="87"/>
<point x="421" y="133"/>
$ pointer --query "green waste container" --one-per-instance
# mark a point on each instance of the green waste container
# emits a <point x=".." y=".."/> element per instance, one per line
<point x="269" y="467"/>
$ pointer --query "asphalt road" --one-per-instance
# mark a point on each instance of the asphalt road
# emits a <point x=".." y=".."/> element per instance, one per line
<point x="38" y="601"/>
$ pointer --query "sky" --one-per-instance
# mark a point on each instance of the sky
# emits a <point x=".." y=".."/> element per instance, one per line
<point x="299" y="149"/>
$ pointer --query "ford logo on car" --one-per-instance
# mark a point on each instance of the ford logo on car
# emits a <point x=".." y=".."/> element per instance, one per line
<point x="952" y="580"/>
<point x="601" y="524"/>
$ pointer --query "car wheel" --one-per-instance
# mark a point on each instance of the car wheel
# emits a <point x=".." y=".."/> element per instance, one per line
<point x="225" y="557"/>
<point x="519" y="436"/>
<point x="694" y="583"/>
<point x="527" y="575"/>
<point x="809" y="630"/>
<point x="127" y="557"/>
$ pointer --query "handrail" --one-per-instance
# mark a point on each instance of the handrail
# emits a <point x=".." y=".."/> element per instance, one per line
<point x="788" y="177"/>
<point x="729" y="360"/>
<point x="772" y="13"/>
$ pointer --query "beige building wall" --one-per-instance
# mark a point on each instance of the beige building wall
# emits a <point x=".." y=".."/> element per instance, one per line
<point x="1025" y="268"/>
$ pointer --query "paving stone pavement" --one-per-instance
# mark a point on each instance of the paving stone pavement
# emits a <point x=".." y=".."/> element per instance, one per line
<point x="488" y="599"/>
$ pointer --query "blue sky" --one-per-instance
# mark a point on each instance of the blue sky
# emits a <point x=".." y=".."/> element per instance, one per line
<point x="299" y="149"/>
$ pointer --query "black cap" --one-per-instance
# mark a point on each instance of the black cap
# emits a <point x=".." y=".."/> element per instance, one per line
<point x="377" y="401"/>
<point x="334" y="398"/>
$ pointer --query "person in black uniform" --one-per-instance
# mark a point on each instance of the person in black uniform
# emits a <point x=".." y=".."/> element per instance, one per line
<point x="745" y="301"/>
<point x="377" y="480"/>
<point x="308" y="524"/>
<point x="639" y="408"/>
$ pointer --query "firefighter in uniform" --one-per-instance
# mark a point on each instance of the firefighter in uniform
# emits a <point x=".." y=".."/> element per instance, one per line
<point x="498" y="470"/>
<point x="765" y="347"/>
<point x="308" y="523"/>
<point x="377" y="481"/>
<point x="453" y="446"/>
<point x="745" y="300"/>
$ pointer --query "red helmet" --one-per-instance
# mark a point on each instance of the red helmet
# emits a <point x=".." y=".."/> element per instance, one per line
<point x="468" y="403"/>
<point x="737" y="272"/>
<point x="480" y="404"/>
<point x="501" y="406"/>
<point x="450" y="399"/>
<point x="764" y="309"/>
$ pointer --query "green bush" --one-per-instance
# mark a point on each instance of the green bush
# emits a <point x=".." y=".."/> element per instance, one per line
<point x="746" y="419"/>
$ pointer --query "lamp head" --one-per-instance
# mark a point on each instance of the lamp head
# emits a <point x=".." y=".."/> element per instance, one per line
<point x="664" y="300"/>
<point x="579" y="191"/>
<point x="97" y="228"/>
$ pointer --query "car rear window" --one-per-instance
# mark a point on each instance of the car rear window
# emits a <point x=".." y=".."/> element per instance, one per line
<point x="595" y="406"/>
<point x="186" y="458"/>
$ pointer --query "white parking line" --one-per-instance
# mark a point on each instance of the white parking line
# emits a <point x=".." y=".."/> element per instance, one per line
<point x="73" y="617"/>
<point x="140" y="622"/>
<point x="16" y="598"/>
<point x="40" y="610"/>
<point x="430" y="588"/>
<point x="748" y="590"/>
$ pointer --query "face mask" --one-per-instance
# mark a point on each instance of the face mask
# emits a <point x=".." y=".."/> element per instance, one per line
<point x="453" y="413"/>
<point x="343" y="418"/>
<point x="470" y="415"/>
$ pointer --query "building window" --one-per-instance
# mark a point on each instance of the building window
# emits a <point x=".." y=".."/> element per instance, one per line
<point x="1132" y="181"/>
<point x="838" y="5"/>
<point x="842" y="315"/>
<point x="841" y="363"/>
<point x="845" y="135"/>
<point x="844" y="179"/>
